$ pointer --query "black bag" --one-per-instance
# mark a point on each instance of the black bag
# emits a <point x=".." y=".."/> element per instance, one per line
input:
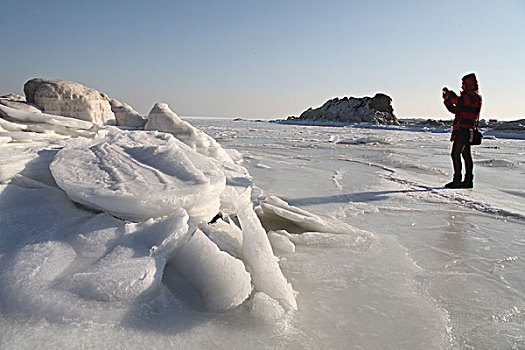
<point x="475" y="137"/>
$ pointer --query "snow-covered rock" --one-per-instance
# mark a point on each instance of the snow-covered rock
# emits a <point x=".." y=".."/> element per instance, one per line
<point x="69" y="99"/>
<point x="163" y="119"/>
<point x="138" y="175"/>
<point x="222" y="279"/>
<point x="125" y="115"/>
<point x="377" y="109"/>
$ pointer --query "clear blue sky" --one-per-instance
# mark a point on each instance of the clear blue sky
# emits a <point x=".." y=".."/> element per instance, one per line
<point x="270" y="59"/>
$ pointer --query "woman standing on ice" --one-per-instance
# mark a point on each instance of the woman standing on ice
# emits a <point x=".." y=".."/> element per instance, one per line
<point x="466" y="108"/>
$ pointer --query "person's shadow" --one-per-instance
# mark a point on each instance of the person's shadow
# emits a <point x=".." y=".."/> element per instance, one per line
<point x="365" y="197"/>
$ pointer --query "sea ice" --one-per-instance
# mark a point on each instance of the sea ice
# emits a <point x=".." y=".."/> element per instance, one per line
<point x="226" y="235"/>
<point x="276" y="214"/>
<point x="265" y="308"/>
<point x="138" y="175"/>
<point x="35" y="117"/>
<point x="95" y="237"/>
<point x="163" y="119"/>
<point x="280" y="242"/>
<point x="258" y="255"/>
<point x="222" y="279"/>
<point x="118" y="276"/>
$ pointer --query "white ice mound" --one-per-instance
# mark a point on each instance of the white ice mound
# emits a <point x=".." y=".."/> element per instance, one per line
<point x="118" y="276"/>
<point x="138" y="175"/>
<point x="69" y="99"/>
<point x="163" y="119"/>
<point x="222" y="280"/>
<point x="276" y="214"/>
<point x="258" y="255"/>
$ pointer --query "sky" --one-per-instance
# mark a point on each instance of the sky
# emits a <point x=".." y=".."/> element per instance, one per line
<point x="270" y="59"/>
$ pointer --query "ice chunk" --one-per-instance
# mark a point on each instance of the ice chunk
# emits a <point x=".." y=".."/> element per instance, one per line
<point x="118" y="276"/>
<point x="11" y="126"/>
<point x="222" y="280"/>
<point x="265" y="308"/>
<point x="226" y="235"/>
<point x="161" y="237"/>
<point x="138" y="175"/>
<point x="5" y="139"/>
<point x="280" y="242"/>
<point x="18" y="102"/>
<point x="161" y="118"/>
<point x="35" y="117"/>
<point x="276" y="214"/>
<point x="258" y="255"/>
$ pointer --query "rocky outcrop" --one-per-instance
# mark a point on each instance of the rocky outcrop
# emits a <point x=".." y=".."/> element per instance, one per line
<point x="69" y="99"/>
<point x="377" y="109"/>
<point x="516" y="125"/>
<point x="125" y="115"/>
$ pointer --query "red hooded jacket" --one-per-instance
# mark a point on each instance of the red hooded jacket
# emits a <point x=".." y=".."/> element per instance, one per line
<point x="466" y="108"/>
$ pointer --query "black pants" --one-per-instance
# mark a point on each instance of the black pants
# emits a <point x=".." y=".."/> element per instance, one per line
<point x="461" y="149"/>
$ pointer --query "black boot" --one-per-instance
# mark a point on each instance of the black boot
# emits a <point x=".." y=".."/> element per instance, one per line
<point x="467" y="183"/>
<point x="456" y="182"/>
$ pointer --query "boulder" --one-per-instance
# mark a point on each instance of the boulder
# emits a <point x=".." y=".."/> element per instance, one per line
<point x="69" y="99"/>
<point x="125" y="115"/>
<point x="377" y="109"/>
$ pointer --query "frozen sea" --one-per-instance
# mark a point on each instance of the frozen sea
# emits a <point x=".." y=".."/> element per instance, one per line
<point x="433" y="268"/>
